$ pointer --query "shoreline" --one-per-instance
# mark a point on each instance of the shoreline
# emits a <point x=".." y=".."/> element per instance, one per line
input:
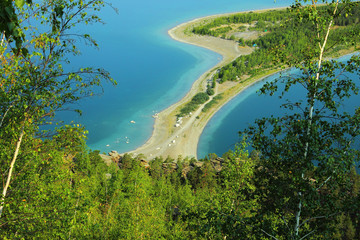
<point x="179" y="142"/>
<point x="167" y="140"/>
<point x="170" y="140"/>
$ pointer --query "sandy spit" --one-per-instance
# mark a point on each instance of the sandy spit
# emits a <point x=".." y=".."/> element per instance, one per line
<point x="168" y="140"/>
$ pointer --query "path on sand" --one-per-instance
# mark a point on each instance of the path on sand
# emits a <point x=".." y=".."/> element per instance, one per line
<point x="186" y="137"/>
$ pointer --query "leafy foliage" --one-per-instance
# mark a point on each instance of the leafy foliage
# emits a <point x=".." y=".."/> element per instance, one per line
<point x="286" y="42"/>
<point x="10" y="24"/>
<point x="215" y="100"/>
<point x="299" y="181"/>
<point x="306" y="156"/>
<point x="269" y="16"/>
<point x="34" y="84"/>
<point x="198" y="99"/>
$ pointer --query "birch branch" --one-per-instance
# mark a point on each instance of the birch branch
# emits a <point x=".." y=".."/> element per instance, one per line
<point x="268" y="234"/>
<point x="16" y="153"/>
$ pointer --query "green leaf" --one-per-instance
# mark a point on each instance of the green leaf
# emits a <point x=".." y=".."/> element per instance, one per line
<point x="10" y="11"/>
<point x="19" y="3"/>
<point x="24" y="51"/>
<point x="11" y="26"/>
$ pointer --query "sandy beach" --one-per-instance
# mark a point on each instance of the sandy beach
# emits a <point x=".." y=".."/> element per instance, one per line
<point x="169" y="140"/>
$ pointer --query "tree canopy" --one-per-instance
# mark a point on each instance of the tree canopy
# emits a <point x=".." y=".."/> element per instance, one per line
<point x="307" y="155"/>
<point x="298" y="182"/>
<point x="9" y="21"/>
<point x="34" y="83"/>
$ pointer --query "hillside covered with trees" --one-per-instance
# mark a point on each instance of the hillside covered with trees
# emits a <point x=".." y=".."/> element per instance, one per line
<point x="285" y="42"/>
<point x="299" y="182"/>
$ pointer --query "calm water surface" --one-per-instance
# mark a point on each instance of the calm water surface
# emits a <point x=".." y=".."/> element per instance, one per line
<point x="152" y="70"/>
<point x="222" y="131"/>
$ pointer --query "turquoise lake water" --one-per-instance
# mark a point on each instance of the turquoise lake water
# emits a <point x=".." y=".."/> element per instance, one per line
<point x="222" y="131"/>
<point x="153" y="71"/>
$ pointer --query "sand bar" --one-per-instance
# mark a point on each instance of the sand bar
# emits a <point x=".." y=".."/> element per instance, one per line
<point x="168" y="140"/>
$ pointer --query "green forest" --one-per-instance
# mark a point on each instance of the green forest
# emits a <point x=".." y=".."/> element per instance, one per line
<point x="299" y="181"/>
<point x="286" y="42"/>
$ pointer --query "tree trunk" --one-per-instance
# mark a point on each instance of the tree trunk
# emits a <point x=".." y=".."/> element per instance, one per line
<point x="16" y="153"/>
<point x="311" y="111"/>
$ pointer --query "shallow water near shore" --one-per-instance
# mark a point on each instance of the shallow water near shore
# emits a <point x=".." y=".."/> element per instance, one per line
<point x="152" y="70"/>
<point x="222" y="131"/>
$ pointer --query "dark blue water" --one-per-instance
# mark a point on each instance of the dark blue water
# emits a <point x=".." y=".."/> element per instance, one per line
<point x="221" y="133"/>
<point x="152" y="70"/>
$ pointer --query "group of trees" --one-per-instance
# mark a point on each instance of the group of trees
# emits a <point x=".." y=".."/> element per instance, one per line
<point x="290" y="39"/>
<point x="303" y="182"/>
<point x="196" y="101"/>
<point x="219" y="25"/>
<point x="82" y="198"/>
<point x="299" y="182"/>
<point x="36" y="42"/>
<point x="213" y="101"/>
<point x="304" y="178"/>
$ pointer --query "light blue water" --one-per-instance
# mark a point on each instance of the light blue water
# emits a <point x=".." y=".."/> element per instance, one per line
<point x="222" y="131"/>
<point x="152" y="70"/>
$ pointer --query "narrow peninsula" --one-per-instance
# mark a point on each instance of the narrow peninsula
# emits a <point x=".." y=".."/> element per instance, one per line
<point x="235" y="36"/>
<point x="175" y="138"/>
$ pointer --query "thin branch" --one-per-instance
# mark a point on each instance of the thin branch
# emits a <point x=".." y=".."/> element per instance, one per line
<point x="2" y="38"/>
<point x="322" y="48"/>
<point x="307" y="234"/>
<point x="2" y="120"/>
<point x="77" y="204"/>
<point x="324" y="183"/>
<point x="268" y="234"/>
<point x="283" y="218"/>
<point x="318" y="217"/>
<point x="311" y="110"/>
<point x="298" y="213"/>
